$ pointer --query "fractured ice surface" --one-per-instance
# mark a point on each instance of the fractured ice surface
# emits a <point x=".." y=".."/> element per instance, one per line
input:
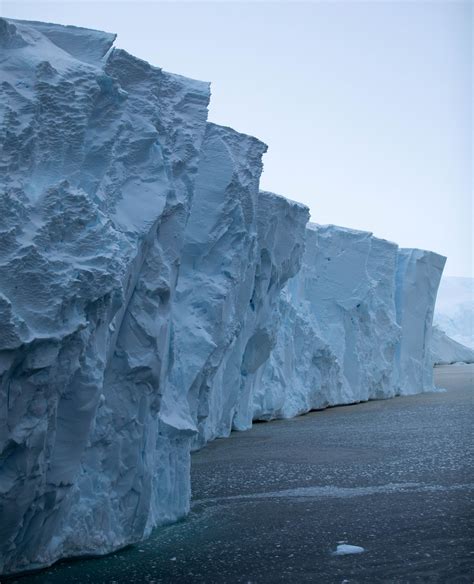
<point x="99" y="156"/>
<point x="151" y="297"/>
<point x="217" y="273"/>
<point x="339" y="333"/>
<point x="356" y="325"/>
<point x="417" y="280"/>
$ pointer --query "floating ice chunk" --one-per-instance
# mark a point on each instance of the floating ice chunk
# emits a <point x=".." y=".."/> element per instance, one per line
<point x="344" y="549"/>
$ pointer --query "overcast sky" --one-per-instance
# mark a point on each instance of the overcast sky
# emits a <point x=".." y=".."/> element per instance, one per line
<point x="366" y="106"/>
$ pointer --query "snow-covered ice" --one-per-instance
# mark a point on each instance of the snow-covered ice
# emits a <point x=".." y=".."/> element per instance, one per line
<point x="151" y="297"/>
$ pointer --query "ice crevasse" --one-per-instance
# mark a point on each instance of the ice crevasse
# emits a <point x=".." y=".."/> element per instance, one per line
<point x="152" y="298"/>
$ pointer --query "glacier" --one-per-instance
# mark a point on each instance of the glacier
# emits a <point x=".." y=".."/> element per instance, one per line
<point x="100" y="152"/>
<point x="453" y="330"/>
<point x="446" y="351"/>
<point x="454" y="310"/>
<point x="417" y="279"/>
<point x="356" y="325"/>
<point x="153" y="298"/>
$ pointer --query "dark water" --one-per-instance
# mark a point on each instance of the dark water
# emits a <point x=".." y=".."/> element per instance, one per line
<point x="270" y="505"/>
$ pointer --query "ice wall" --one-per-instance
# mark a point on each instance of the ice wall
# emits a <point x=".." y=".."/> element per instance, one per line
<point x="417" y="280"/>
<point x="281" y="233"/>
<point x="355" y="325"/>
<point x="339" y="333"/>
<point x="215" y="284"/>
<point x="99" y="153"/>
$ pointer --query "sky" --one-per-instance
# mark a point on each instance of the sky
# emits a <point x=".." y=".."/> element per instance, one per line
<point x="366" y="106"/>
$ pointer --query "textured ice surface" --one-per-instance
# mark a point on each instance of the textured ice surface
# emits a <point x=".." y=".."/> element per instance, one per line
<point x="339" y="333"/>
<point x="417" y="281"/>
<point x="238" y="255"/>
<point x="356" y="325"/>
<point x="445" y="350"/>
<point x="454" y="311"/>
<point x="215" y="285"/>
<point x="151" y="297"/>
<point x="99" y="156"/>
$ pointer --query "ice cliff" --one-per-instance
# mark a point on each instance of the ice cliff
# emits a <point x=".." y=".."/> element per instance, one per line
<point x="99" y="154"/>
<point x="417" y="280"/>
<point x="356" y="325"/>
<point x="153" y="299"/>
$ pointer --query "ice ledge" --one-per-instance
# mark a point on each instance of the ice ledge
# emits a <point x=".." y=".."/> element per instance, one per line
<point x="84" y="44"/>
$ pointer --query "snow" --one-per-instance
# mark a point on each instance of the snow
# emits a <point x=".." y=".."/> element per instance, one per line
<point x="153" y="299"/>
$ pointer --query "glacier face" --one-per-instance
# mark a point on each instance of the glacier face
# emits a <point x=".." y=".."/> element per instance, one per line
<point x="217" y="272"/>
<point x="153" y="299"/>
<point x="99" y="155"/>
<point x="356" y="325"/>
<point x="215" y="281"/>
<point x="417" y="280"/>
